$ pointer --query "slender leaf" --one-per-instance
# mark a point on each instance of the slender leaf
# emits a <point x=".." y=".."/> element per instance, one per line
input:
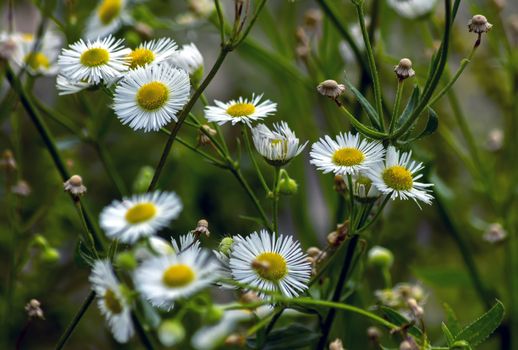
<point x="292" y="337"/>
<point x="447" y="334"/>
<point x="369" y="109"/>
<point x="452" y="321"/>
<point x="478" y="331"/>
<point x="400" y="320"/>
<point x="412" y="103"/>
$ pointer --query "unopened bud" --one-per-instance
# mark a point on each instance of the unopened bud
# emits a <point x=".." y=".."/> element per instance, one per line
<point x="214" y="314"/>
<point x="405" y="345"/>
<point x="313" y="251"/>
<point x="143" y="179"/>
<point x="404" y="69"/>
<point x="313" y="18"/>
<point x="249" y="297"/>
<point x="204" y="132"/>
<point x="235" y="340"/>
<point x="479" y="24"/>
<point x="336" y="345"/>
<point x="288" y="186"/>
<point x="126" y="261"/>
<point x="171" y="332"/>
<point x="495" y="233"/>
<point x="331" y="88"/>
<point x="75" y="186"/>
<point x="416" y="309"/>
<point x="21" y="188"/>
<point x="50" y="255"/>
<point x="380" y="257"/>
<point x="7" y="161"/>
<point x="225" y="245"/>
<point x="202" y="228"/>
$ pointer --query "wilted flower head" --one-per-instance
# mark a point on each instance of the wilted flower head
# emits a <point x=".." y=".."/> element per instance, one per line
<point x="33" y="308"/>
<point x="495" y="233"/>
<point x="404" y="69"/>
<point x="331" y="88"/>
<point x="336" y="345"/>
<point x="479" y="24"/>
<point x="75" y="186"/>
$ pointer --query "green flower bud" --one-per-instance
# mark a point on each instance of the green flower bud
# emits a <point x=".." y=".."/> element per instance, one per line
<point x="380" y="257"/>
<point x="50" y="255"/>
<point x="214" y="314"/>
<point x="171" y="332"/>
<point x="40" y="241"/>
<point x="197" y="76"/>
<point x="126" y="260"/>
<point x="225" y="245"/>
<point x="143" y="179"/>
<point x="288" y="186"/>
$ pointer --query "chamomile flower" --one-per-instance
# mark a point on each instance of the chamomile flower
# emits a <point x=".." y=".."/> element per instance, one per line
<point x="140" y="215"/>
<point x="397" y="177"/>
<point x="272" y="264"/>
<point x="149" y="97"/>
<point x="164" y="279"/>
<point x="240" y="111"/>
<point x="188" y="58"/>
<point x="412" y="8"/>
<point x="277" y="146"/>
<point x="94" y="61"/>
<point x="111" y="301"/>
<point x="106" y="19"/>
<point x="68" y="87"/>
<point x="348" y="154"/>
<point x="43" y="60"/>
<point x="152" y="52"/>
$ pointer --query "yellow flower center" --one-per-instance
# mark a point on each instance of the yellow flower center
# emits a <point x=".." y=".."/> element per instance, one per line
<point x="37" y="60"/>
<point x="178" y="275"/>
<point x="109" y="10"/>
<point x="140" y="57"/>
<point x="94" y="57"/>
<point x="241" y="109"/>
<point x="270" y="266"/>
<point x="27" y="37"/>
<point x="348" y="156"/>
<point x="140" y="213"/>
<point x="398" y="178"/>
<point x="152" y="95"/>
<point x="111" y="302"/>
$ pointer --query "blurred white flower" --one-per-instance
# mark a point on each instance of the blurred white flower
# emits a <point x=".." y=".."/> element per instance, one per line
<point x="412" y="8"/>
<point x="107" y="18"/>
<point x="240" y="111"/>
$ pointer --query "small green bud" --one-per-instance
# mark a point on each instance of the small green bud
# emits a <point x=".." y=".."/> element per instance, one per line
<point x="225" y="245"/>
<point x="288" y="186"/>
<point x="380" y="257"/>
<point x="214" y="314"/>
<point x="40" y="241"/>
<point x="461" y="345"/>
<point x="143" y="179"/>
<point x="197" y="76"/>
<point x="126" y="260"/>
<point x="171" y="332"/>
<point x="50" y="255"/>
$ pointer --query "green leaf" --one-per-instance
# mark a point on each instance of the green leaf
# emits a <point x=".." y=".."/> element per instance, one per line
<point x="447" y="334"/>
<point x="481" y="328"/>
<point x="412" y="103"/>
<point x="371" y="112"/>
<point x="400" y="320"/>
<point x="431" y="125"/>
<point x="452" y="321"/>
<point x="83" y="255"/>
<point x="291" y="337"/>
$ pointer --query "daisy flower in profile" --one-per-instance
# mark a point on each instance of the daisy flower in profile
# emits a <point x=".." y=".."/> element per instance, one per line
<point x="94" y="61"/>
<point x="348" y="154"/>
<point x="68" y="87"/>
<point x="397" y="177"/>
<point x="140" y="215"/>
<point x="106" y="19"/>
<point x="272" y="264"/>
<point x="363" y="188"/>
<point x="152" y="52"/>
<point x="240" y="111"/>
<point x="149" y="97"/>
<point x="412" y="8"/>
<point x="277" y="146"/>
<point x="111" y="301"/>
<point x="163" y="279"/>
<point x="43" y="60"/>
<point x="188" y="58"/>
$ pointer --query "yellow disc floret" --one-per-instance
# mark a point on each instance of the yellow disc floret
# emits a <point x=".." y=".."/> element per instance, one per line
<point x="141" y="212"/>
<point x="95" y="57"/>
<point x="398" y="178"/>
<point x="152" y="95"/>
<point x="178" y="275"/>
<point x="241" y="109"/>
<point x="270" y="266"/>
<point x="109" y="10"/>
<point x="111" y="302"/>
<point x="140" y="57"/>
<point x="348" y="156"/>
<point x="37" y="60"/>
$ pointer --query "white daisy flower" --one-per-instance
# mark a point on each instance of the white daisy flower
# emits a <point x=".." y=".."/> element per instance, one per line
<point x="149" y="97"/>
<point x="397" y="177"/>
<point x="240" y="111"/>
<point x="94" y="61"/>
<point x="111" y="301"/>
<point x="270" y="263"/>
<point x="139" y="216"/>
<point x="68" y="87"/>
<point x="412" y="8"/>
<point x="164" y="279"/>
<point x="106" y="19"/>
<point x="152" y="52"/>
<point x="277" y="146"/>
<point x="43" y="60"/>
<point x="188" y="58"/>
<point x="363" y="188"/>
<point x="349" y="154"/>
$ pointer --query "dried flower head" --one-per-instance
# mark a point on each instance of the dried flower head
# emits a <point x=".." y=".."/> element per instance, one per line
<point x="374" y="334"/>
<point x="7" y="161"/>
<point x="336" y="345"/>
<point x="495" y="233"/>
<point x="479" y="24"/>
<point x="202" y="228"/>
<point x="21" y="188"/>
<point x="75" y="186"/>
<point x="404" y="69"/>
<point x="331" y="89"/>
<point x="339" y="184"/>
<point x="33" y="308"/>
<point x="335" y="238"/>
<point x="204" y="132"/>
<point x="415" y="308"/>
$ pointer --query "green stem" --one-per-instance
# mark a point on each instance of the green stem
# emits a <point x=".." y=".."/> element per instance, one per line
<point x="362" y="128"/>
<point x="70" y="328"/>
<point x="397" y="102"/>
<point x="372" y="63"/>
<point x="221" y="21"/>
<point x="251" y="24"/>
<point x="248" y="145"/>
<point x="275" y="200"/>
<point x="377" y="215"/>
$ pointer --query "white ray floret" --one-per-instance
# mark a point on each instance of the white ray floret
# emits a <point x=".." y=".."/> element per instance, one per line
<point x="111" y="301"/>
<point x="68" y="87"/>
<point x="347" y="154"/>
<point x="101" y="60"/>
<point x="398" y="175"/>
<point x="272" y="264"/>
<point x="152" y="52"/>
<point x="150" y="97"/>
<point x="241" y="110"/>
<point x="140" y="215"/>
<point x="277" y="146"/>
<point x="164" y="279"/>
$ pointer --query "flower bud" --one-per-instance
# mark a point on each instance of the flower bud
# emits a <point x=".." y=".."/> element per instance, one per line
<point x="171" y="332"/>
<point x="7" y="160"/>
<point x="33" y="308"/>
<point x="374" y="334"/>
<point x="495" y="233"/>
<point x="336" y="345"/>
<point x="21" y="188"/>
<point x="235" y="340"/>
<point x="75" y="186"/>
<point x="225" y="245"/>
<point x="404" y="69"/>
<point x="214" y="314"/>
<point x="479" y="24"/>
<point x="143" y="179"/>
<point x="202" y="228"/>
<point x="126" y="261"/>
<point x="331" y="88"/>
<point x="380" y="257"/>
<point x="288" y="186"/>
<point x="313" y="251"/>
<point x="50" y="255"/>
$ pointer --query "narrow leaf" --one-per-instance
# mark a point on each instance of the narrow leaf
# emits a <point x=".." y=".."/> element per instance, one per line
<point x="400" y="320"/>
<point x="452" y="321"/>
<point x="481" y="328"/>
<point x="371" y="112"/>
<point x="447" y="334"/>
<point x="412" y="103"/>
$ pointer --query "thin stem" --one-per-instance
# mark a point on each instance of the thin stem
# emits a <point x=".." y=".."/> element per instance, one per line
<point x="376" y="216"/>
<point x="328" y="323"/>
<point x="362" y="128"/>
<point x="251" y="24"/>
<point x="397" y="102"/>
<point x="275" y="200"/>
<point x="87" y="234"/>
<point x="372" y="64"/>
<point x="221" y="21"/>
<point x="68" y="332"/>
<point x="248" y="145"/>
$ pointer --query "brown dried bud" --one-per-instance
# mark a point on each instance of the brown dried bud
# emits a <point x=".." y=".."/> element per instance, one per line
<point x="7" y="161"/>
<point x="331" y="88"/>
<point x="313" y="18"/>
<point x="203" y="138"/>
<point x="75" y="186"/>
<point x="479" y="24"/>
<point x="404" y="69"/>
<point x="336" y="238"/>
<point x="33" y="308"/>
<point x="374" y="334"/>
<point x="313" y="251"/>
<point x="202" y="228"/>
<point x="336" y="345"/>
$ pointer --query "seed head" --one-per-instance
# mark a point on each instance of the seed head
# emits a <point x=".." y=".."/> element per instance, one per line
<point x="331" y="88"/>
<point x="404" y="69"/>
<point x="479" y="24"/>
